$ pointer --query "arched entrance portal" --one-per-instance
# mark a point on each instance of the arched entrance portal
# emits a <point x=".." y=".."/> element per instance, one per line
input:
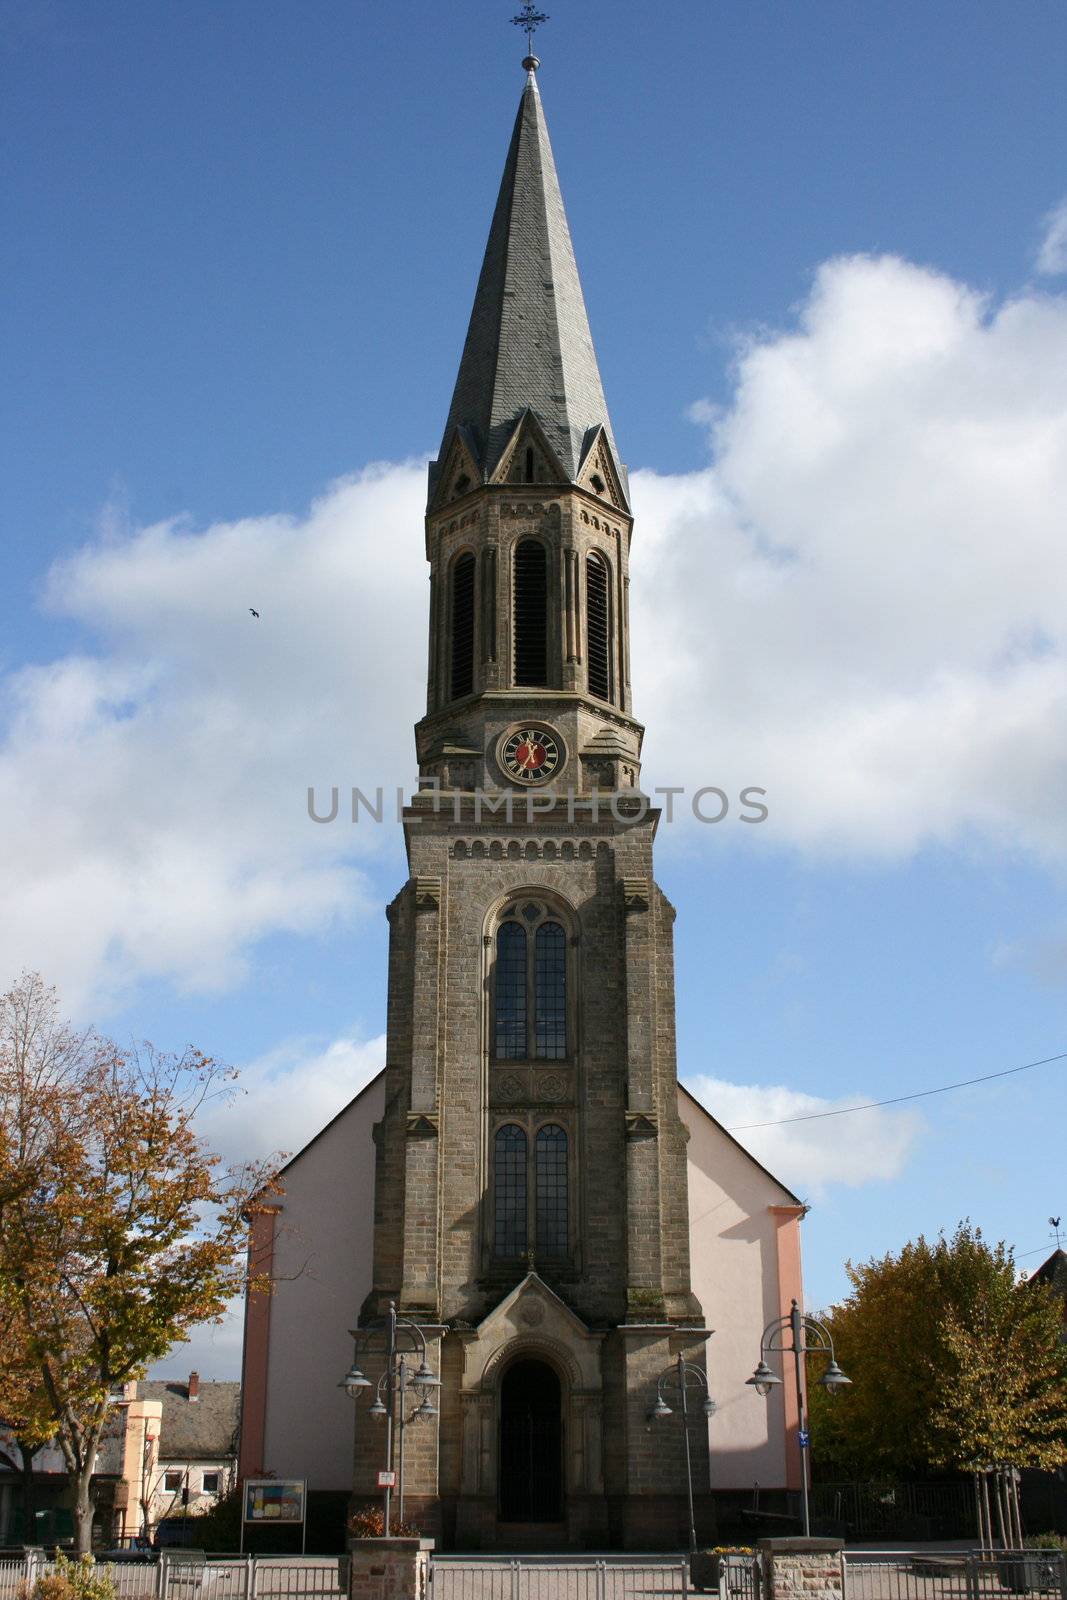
<point x="531" y="1444"/>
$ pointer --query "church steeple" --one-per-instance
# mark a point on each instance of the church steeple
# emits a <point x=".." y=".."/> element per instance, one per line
<point x="528" y="523"/>
<point x="528" y="345"/>
<point x="531" y="1185"/>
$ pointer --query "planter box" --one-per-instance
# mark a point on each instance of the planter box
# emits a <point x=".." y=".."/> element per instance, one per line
<point x="705" y="1571"/>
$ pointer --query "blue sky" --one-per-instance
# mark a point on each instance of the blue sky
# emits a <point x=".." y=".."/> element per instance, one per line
<point x="826" y="286"/>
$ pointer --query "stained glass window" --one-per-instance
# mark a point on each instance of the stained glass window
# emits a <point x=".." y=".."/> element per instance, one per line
<point x="551" y="1162"/>
<point x="510" y="991"/>
<point x="550" y="992"/>
<point x="510" y="1191"/>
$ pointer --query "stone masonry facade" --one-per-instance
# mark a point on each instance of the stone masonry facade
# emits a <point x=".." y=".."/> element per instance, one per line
<point x="609" y="1312"/>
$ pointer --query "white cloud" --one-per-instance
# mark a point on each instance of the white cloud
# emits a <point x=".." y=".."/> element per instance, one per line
<point x="153" y="796"/>
<point x="860" y="605"/>
<point x="1052" y="252"/>
<point x="809" y="1157"/>
<point x="286" y="1097"/>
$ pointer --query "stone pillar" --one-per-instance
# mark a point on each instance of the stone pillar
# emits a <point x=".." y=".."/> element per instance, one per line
<point x="803" y="1569"/>
<point x="644" y="1274"/>
<point x="389" y="1569"/>
<point x="421" y="1186"/>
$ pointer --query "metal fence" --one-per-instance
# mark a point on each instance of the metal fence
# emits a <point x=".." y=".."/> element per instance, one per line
<point x="740" y="1577"/>
<point x="174" y="1578"/>
<point x="557" y="1578"/>
<point x="951" y="1575"/>
<point x="912" y="1511"/>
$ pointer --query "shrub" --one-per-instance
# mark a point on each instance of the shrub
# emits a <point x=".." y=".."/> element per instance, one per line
<point x="369" y="1523"/>
<point x="72" y="1580"/>
<point x="1045" y="1541"/>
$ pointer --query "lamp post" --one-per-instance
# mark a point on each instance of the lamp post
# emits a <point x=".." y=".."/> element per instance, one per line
<point x="801" y="1328"/>
<point x="683" y="1375"/>
<point x="402" y="1340"/>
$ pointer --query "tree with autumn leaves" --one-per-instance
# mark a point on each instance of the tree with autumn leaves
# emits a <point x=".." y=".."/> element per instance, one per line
<point x="954" y="1363"/>
<point x="119" y="1229"/>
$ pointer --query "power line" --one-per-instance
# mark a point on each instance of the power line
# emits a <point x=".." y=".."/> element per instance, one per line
<point x="920" y="1094"/>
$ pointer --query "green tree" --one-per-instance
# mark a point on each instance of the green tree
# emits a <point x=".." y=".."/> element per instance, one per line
<point x="119" y="1229"/>
<point x="953" y="1365"/>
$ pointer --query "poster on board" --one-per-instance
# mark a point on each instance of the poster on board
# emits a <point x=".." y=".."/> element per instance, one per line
<point x="274" y="1500"/>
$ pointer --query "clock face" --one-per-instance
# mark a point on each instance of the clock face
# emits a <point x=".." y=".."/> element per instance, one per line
<point x="531" y="754"/>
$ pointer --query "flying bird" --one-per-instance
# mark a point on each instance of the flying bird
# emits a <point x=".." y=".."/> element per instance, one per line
<point x="253" y="610"/>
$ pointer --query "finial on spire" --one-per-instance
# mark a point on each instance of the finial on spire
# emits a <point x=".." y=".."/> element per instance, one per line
<point x="530" y="19"/>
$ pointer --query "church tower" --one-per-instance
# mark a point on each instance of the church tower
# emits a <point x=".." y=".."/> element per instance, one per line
<point x="531" y="1191"/>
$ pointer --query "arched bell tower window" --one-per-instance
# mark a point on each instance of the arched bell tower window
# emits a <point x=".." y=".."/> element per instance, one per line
<point x="598" y="625"/>
<point x="462" y="626"/>
<point x="531" y="614"/>
<point x="530" y="999"/>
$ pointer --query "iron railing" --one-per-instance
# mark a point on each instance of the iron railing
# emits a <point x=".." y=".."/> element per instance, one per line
<point x="954" y="1575"/>
<point x="171" y="1578"/>
<point x="558" y="1578"/>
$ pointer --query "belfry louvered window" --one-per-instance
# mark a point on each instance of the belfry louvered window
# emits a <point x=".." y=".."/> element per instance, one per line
<point x="550" y="1161"/>
<point x="462" y="626"/>
<point x="598" y="626"/>
<point x="530" y="986"/>
<point x="531" y="614"/>
<point x="509" y="1191"/>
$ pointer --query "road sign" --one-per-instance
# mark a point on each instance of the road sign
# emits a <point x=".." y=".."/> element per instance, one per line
<point x="387" y="1480"/>
<point x="804" y="1438"/>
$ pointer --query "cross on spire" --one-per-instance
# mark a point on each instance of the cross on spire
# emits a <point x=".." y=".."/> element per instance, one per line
<point x="530" y="19"/>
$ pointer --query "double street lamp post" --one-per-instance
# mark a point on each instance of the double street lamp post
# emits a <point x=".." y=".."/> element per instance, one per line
<point x="682" y="1375"/>
<point x="807" y="1337"/>
<point x="403" y="1339"/>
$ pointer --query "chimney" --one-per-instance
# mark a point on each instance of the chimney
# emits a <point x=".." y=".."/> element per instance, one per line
<point x="194" y="1386"/>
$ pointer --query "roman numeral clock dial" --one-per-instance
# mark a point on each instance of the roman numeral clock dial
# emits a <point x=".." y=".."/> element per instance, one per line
<point x="531" y="754"/>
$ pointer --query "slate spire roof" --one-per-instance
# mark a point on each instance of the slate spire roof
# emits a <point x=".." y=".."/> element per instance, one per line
<point x="528" y="344"/>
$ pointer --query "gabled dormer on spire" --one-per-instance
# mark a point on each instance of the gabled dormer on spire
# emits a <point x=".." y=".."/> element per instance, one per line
<point x="528" y="346"/>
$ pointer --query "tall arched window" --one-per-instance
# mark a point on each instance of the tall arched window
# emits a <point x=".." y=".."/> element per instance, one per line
<point x="463" y="626"/>
<point x="509" y="1165"/>
<point x="530" y="985"/>
<point x="551" y="1189"/>
<point x="531" y="614"/>
<point x="598" y="626"/>
<point x="511" y="986"/>
<point x="550" y="992"/>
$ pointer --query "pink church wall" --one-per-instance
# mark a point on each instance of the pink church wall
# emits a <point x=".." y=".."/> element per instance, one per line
<point x="298" y="1423"/>
<point x="742" y="1258"/>
<point x="322" y="1265"/>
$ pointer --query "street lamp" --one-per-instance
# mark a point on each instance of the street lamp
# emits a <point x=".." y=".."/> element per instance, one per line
<point x="763" y="1380"/>
<point x="399" y="1377"/>
<point x="682" y="1375"/>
